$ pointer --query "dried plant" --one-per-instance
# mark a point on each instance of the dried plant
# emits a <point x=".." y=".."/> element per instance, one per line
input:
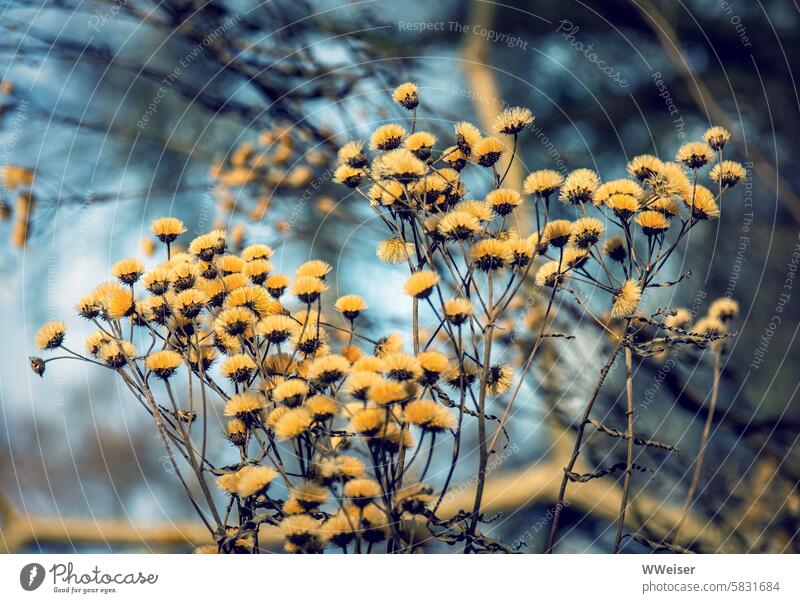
<point x="336" y="447"/>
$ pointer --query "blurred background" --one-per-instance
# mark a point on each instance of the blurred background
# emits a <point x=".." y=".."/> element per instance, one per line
<point x="230" y="113"/>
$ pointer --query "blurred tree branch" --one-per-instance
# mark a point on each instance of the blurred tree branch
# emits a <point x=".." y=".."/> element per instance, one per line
<point x="707" y="103"/>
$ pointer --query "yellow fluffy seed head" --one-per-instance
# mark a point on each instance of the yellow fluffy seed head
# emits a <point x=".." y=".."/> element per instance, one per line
<point x="467" y="136"/>
<point x="257" y="251"/>
<point x="394" y="251"/>
<point x="585" y="232"/>
<point x="728" y="173"/>
<point x="245" y="406"/>
<point x="458" y="225"/>
<point x="163" y="363"/>
<point x="406" y="96"/>
<point x="542" y="183"/>
<point x="458" y="310"/>
<point x="328" y="369"/>
<point x="579" y="187"/>
<point x="652" y="222"/>
<point x="695" y="155"/>
<point x="128" y="271"/>
<point x="167" y="229"/>
<point x="490" y="254"/>
<point x="254" y="480"/>
<point x="616" y="248"/>
<point x="348" y="175"/>
<point x="513" y="120"/>
<point x="503" y="201"/>
<point x="351" y="306"/>
<point x="420" y="284"/>
<point x="626" y="300"/>
<point x="487" y="151"/>
<point x="293" y="423"/>
<point x="315" y="268"/>
<point x="429" y="415"/>
<point x="361" y="491"/>
<point x="724" y="309"/>
<point x="623" y="206"/>
<point x="557" y="232"/>
<point x="290" y="393"/>
<point x="703" y="206"/>
<point x="387" y="137"/>
<point x="116" y="354"/>
<point x="51" y="335"/>
<point x="716" y="137"/>
<point x="644" y="167"/>
<point x="621" y="186"/>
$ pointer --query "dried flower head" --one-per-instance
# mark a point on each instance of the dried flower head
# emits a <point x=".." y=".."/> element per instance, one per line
<point x="405" y="95"/>
<point x="348" y="175"/>
<point x="164" y="363"/>
<point x="513" y="120"/>
<point x="458" y="225"/>
<point x="467" y="136"/>
<point x="291" y="393"/>
<point x="293" y="422"/>
<point x="429" y="415"/>
<point x="585" y="232"/>
<point x="257" y="251"/>
<point x="487" y="151"/>
<point x="644" y="167"/>
<point x="558" y="232"/>
<point x="352" y="154"/>
<point x="321" y="408"/>
<point x="394" y="250"/>
<point x="621" y="186"/>
<point x="420" y="144"/>
<point x="128" y="271"/>
<point x="626" y="299"/>
<point x="542" y="183"/>
<point x="728" y="173"/>
<point x="678" y="318"/>
<point x="623" y="206"/>
<point x="167" y="229"/>
<point x="616" y="248"/>
<point x="208" y="245"/>
<point x="238" y="368"/>
<point x="704" y="205"/>
<point x="316" y="268"/>
<point x="716" y="137"/>
<point x="490" y="254"/>
<point x="387" y="137"/>
<point x="308" y="288"/>
<point x="116" y="354"/>
<point x="351" y="306"/>
<point x="329" y="369"/>
<point x="245" y="406"/>
<point x="458" y="310"/>
<point x="401" y="165"/>
<point x="361" y="491"/>
<point x="51" y="335"/>
<point x="724" y="309"/>
<point x="254" y="480"/>
<point x="420" y="284"/>
<point x="277" y="284"/>
<point x="503" y="201"/>
<point x="695" y="155"/>
<point x="653" y="223"/>
<point x="549" y="274"/>
<point x="579" y="187"/>
<point x="499" y="379"/>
